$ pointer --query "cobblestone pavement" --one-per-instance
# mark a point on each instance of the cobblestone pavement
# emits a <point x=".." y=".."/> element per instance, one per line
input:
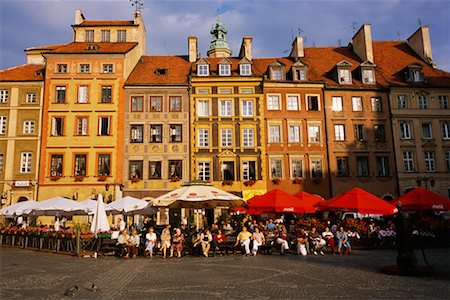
<point x="27" y="274"/>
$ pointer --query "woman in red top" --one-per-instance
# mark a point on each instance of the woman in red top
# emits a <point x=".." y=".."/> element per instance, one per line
<point x="218" y="239"/>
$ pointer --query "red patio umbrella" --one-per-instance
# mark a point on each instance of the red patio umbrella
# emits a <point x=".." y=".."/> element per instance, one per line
<point x="239" y="209"/>
<point x="420" y="199"/>
<point x="358" y="200"/>
<point x="309" y="200"/>
<point x="277" y="201"/>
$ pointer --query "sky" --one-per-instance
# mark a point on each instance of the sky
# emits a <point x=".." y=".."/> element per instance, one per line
<point x="271" y="23"/>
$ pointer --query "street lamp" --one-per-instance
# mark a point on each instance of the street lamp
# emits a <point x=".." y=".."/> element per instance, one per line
<point x="425" y="181"/>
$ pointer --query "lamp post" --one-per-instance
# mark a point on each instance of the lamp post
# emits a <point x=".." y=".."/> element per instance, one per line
<point x="425" y="180"/>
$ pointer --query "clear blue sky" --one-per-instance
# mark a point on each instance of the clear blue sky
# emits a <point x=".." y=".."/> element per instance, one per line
<point x="271" y="23"/>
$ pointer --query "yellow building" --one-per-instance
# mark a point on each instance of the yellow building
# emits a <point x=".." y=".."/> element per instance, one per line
<point x="83" y="126"/>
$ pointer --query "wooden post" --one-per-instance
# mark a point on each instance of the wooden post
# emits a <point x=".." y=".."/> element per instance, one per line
<point x="77" y="251"/>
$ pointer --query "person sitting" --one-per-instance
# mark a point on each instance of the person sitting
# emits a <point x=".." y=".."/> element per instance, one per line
<point x="302" y="242"/>
<point x="282" y="239"/>
<point x="133" y="244"/>
<point x="342" y="239"/>
<point x="165" y="241"/>
<point x="206" y="242"/>
<point x="196" y="243"/>
<point x="122" y="242"/>
<point x="271" y="226"/>
<point x="316" y="242"/>
<point x="219" y="239"/>
<point x="151" y="239"/>
<point x="329" y="238"/>
<point x="177" y="243"/>
<point x="253" y="225"/>
<point x="228" y="229"/>
<point x="258" y="240"/>
<point x="244" y="239"/>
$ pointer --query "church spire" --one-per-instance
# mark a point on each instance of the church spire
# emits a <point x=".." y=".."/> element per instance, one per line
<point x="219" y="45"/>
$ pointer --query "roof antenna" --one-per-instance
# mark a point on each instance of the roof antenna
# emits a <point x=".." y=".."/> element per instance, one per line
<point x="340" y="42"/>
<point x="165" y="47"/>
<point x="398" y="35"/>
<point x="420" y="22"/>
<point x="292" y="34"/>
<point x="138" y="5"/>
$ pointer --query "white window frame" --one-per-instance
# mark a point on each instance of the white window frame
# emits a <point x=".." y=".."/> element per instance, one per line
<point x="226" y="108"/>
<point x="247" y="108"/>
<point x="274" y="133"/>
<point x="423" y="102"/>
<point x="224" y="70"/>
<point x="368" y="76"/>
<point x="446" y="131"/>
<point x="336" y="104"/>
<point x="273" y="102"/>
<point x="248" y="137"/>
<point x="203" y="137"/>
<point x="345" y="76"/>
<point x="203" y="70"/>
<point x="100" y="121"/>
<point x="203" y="108"/>
<point x="108" y="68"/>
<point x="204" y="170"/>
<point x="405" y="131"/>
<point x="357" y="104"/>
<point x="121" y="36"/>
<point x="89" y="35"/>
<point x="4" y="95"/>
<point x="28" y="127"/>
<point x="430" y="161"/>
<point x="246" y="170"/>
<point x="31" y="98"/>
<point x="402" y="102"/>
<point x="26" y="160"/>
<point x="376" y="104"/>
<point x="83" y="94"/>
<point x="295" y="135"/>
<point x="226" y="137"/>
<point x="312" y="136"/>
<point x="427" y="131"/>
<point x="276" y="74"/>
<point x="85" y="68"/>
<point x="339" y="132"/>
<point x="245" y="69"/>
<point x="293" y="102"/>
<point x="106" y="36"/>
<point x="408" y="161"/>
<point x="277" y="163"/>
<point x="443" y="102"/>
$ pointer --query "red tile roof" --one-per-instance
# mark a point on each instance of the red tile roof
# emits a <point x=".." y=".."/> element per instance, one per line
<point x="93" y="23"/>
<point x="103" y="48"/>
<point x="149" y="71"/>
<point x="46" y="47"/>
<point x="23" y="73"/>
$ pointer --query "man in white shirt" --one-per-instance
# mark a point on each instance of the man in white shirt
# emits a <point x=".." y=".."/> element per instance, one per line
<point x="151" y="239"/>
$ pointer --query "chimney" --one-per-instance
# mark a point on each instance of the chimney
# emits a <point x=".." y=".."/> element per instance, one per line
<point x="137" y="17"/>
<point x="193" y="48"/>
<point x="79" y="18"/>
<point x="246" y="47"/>
<point x="362" y="43"/>
<point x="421" y="44"/>
<point x="297" y="48"/>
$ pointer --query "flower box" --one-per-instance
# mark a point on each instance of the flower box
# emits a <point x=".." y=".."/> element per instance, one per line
<point x="175" y="179"/>
<point x="134" y="180"/>
<point x="104" y="235"/>
<point x="298" y="181"/>
<point x="276" y="181"/>
<point x="249" y="182"/>
<point x="79" y="178"/>
<point x="102" y="178"/>
<point x="55" y="178"/>
<point x="227" y="182"/>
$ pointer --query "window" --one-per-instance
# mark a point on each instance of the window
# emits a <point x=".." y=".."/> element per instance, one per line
<point x="430" y="165"/>
<point x="276" y="168"/>
<point x="360" y="133"/>
<point x="336" y="104"/>
<point x="362" y="166"/>
<point x="174" y="103"/>
<point x="2" y="157"/>
<point x="427" y="131"/>
<point x="121" y="36"/>
<point x="4" y="94"/>
<point x="28" y="127"/>
<point x="156" y="133"/>
<point x="154" y="171"/>
<point x="137" y="133"/>
<point x="226" y="137"/>
<point x="80" y="165"/>
<point x="203" y="70"/>
<point x="104" y="163"/>
<point x="368" y="76"/>
<point x="342" y="167"/>
<point x="423" y="102"/>
<point x="314" y="133"/>
<point x="225" y="91"/>
<point x="357" y="104"/>
<point x="414" y="74"/>
<point x="274" y="134"/>
<point x="402" y="102"/>
<point x="85" y="68"/>
<point x="202" y="91"/>
<point x="106" y="36"/>
<point x="316" y="168"/>
<point x="408" y="161"/>
<point x="175" y="168"/>
<point x="345" y="76"/>
<point x="382" y="166"/>
<point x="226" y="107"/>
<point x="276" y="74"/>
<point x="376" y="104"/>
<point x="155" y="103"/>
<point x="228" y="170"/>
<point x="25" y="162"/>
<point x="296" y="168"/>
<point x="405" y="131"/>
<point x="3" y="124"/>
<point x="60" y="94"/>
<point x="273" y="102"/>
<point x="446" y="131"/>
<point x="104" y="126"/>
<point x="56" y="165"/>
<point x="82" y="125"/>
<point x="136" y="103"/>
<point x="294" y="134"/>
<point x="89" y="36"/>
<point x="247" y="108"/>
<point x="204" y="171"/>
<point x="83" y="94"/>
<point x="339" y="132"/>
<point x="300" y="74"/>
<point x="176" y="133"/>
<point x="246" y="91"/>
<point x="292" y="103"/>
<point x="31" y="98"/>
<point x="106" y="94"/>
<point x="443" y="102"/>
<point x="108" y="68"/>
<point x="61" y="68"/>
<point x="313" y="103"/>
<point x="203" y="137"/>
<point x="245" y="69"/>
<point x="224" y="70"/>
<point x="57" y="126"/>
<point x="136" y="167"/>
<point x="248" y="170"/>
<point x="447" y="159"/>
<point x="203" y="108"/>
<point x="248" y="137"/>
<point x="380" y="133"/>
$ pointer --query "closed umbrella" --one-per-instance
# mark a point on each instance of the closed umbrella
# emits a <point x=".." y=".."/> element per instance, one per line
<point x="100" y="221"/>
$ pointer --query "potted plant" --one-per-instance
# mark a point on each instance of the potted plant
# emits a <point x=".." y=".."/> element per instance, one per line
<point x="79" y="178"/>
<point x="135" y="179"/>
<point x="55" y="177"/>
<point x="227" y="182"/>
<point x="276" y="181"/>
<point x="175" y="179"/>
<point x="102" y="178"/>
<point x="249" y="182"/>
<point x="298" y="181"/>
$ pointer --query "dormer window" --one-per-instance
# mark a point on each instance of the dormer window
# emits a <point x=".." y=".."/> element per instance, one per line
<point x="276" y="74"/>
<point x="344" y="72"/>
<point x="299" y="71"/>
<point x="414" y="73"/>
<point x="92" y="47"/>
<point x="368" y="76"/>
<point x="202" y="70"/>
<point x="161" y="71"/>
<point x="224" y="70"/>
<point x="245" y="69"/>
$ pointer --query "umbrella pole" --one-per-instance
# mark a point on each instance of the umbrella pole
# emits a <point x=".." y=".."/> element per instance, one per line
<point x="196" y="219"/>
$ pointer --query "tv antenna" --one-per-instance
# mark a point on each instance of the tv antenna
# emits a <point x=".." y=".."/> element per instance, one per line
<point x="398" y="35"/>
<point x="352" y="27"/>
<point x="420" y="22"/>
<point x="339" y="42"/>
<point x="138" y="5"/>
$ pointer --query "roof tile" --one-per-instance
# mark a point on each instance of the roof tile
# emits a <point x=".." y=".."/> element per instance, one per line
<point x="23" y="73"/>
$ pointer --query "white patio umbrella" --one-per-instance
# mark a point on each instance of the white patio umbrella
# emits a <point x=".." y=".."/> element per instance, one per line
<point x="127" y="205"/>
<point x="92" y="205"/>
<point x="58" y="206"/>
<point x="17" y="209"/>
<point x="100" y="221"/>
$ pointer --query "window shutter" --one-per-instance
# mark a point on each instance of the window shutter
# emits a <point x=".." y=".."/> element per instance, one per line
<point x="53" y="126"/>
<point x="99" y="126"/>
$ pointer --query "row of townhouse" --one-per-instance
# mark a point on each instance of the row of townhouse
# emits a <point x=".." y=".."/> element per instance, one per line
<point x="97" y="115"/>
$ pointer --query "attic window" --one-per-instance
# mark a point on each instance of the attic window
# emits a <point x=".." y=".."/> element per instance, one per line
<point x="161" y="71"/>
<point x="224" y="70"/>
<point x="414" y="73"/>
<point x="202" y="70"/>
<point x="38" y="73"/>
<point x="368" y="75"/>
<point x="276" y="74"/>
<point x="92" y="47"/>
<point x="344" y="76"/>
